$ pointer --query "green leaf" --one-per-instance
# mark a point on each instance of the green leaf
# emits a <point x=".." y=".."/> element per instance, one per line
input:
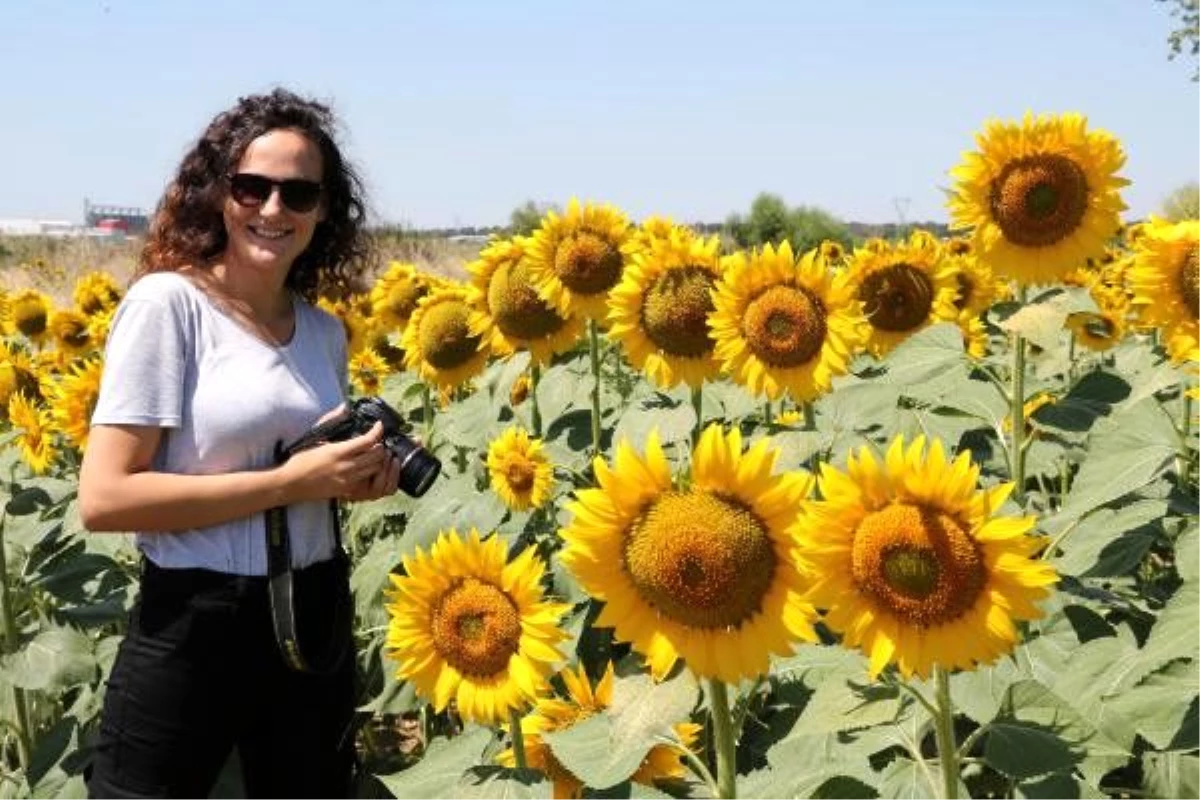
<point x="1027" y="749"/>
<point x="1160" y="706"/>
<point x="932" y="358"/>
<point x="1172" y="637"/>
<point x="1058" y="785"/>
<point x="370" y="578"/>
<point x="1187" y="552"/>
<point x="607" y="748"/>
<point x="502" y="783"/>
<point x="437" y="774"/>
<point x="905" y="779"/>
<point x="1128" y="451"/>
<point x="55" y="659"/>
<point x="1110" y="542"/>
<point x="979" y="693"/>
<point x="670" y="416"/>
<point x="845" y="704"/>
<point x="1171" y="774"/>
<point x="468" y="423"/>
<point x="452" y="503"/>
<point x="1042" y="322"/>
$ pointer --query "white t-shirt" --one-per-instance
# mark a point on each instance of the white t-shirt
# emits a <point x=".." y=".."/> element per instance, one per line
<point x="225" y="397"/>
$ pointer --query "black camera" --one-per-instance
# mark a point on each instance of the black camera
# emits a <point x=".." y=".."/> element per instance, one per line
<point x="418" y="467"/>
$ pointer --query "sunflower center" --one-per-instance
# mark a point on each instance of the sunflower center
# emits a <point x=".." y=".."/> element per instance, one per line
<point x="518" y="311"/>
<point x="476" y="628"/>
<point x="587" y="263"/>
<point x="897" y="298"/>
<point x="785" y="326"/>
<point x="675" y="312"/>
<point x="30" y="320"/>
<point x="701" y="559"/>
<point x="403" y="298"/>
<point x="446" y="340"/>
<point x="75" y="334"/>
<point x="1039" y="200"/>
<point x="519" y="475"/>
<point x="918" y="563"/>
<point x="1189" y="280"/>
<point x="1099" y="326"/>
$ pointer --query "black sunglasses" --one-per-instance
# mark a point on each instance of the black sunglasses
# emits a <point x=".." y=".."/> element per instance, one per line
<point x="250" y="190"/>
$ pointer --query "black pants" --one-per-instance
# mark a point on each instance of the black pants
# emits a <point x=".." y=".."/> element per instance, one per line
<point x="199" y="673"/>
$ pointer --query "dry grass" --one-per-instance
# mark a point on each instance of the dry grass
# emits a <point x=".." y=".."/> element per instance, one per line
<point x="52" y="265"/>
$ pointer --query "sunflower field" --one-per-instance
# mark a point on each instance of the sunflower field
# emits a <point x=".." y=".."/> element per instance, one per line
<point x="913" y="519"/>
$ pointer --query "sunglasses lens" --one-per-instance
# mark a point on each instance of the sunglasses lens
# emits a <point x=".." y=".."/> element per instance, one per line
<point x="300" y="196"/>
<point x="249" y="190"/>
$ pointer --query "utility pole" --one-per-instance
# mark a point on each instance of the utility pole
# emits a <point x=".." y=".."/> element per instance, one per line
<point x="901" y="205"/>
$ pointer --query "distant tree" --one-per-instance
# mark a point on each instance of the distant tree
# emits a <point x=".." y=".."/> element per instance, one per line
<point x="1183" y="203"/>
<point x="527" y="217"/>
<point x="771" y="221"/>
<point x="1185" y="38"/>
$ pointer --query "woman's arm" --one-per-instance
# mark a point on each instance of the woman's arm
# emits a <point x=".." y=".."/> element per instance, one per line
<point x="118" y="490"/>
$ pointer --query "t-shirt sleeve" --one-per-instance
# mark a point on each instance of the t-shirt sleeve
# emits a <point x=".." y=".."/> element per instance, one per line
<point x="145" y="364"/>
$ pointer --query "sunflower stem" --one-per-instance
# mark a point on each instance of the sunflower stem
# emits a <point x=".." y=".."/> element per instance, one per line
<point x="697" y="406"/>
<point x="518" y="738"/>
<point x="1185" y="426"/>
<point x="724" y="738"/>
<point x="944" y="729"/>
<point x="21" y="724"/>
<point x="810" y="416"/>
<point x="594" y="342"/>
<point x="535" y="411"/>
<point x="767" y="416"/>
<point x="427" y="413"/>
<point x="1016" y="452"/>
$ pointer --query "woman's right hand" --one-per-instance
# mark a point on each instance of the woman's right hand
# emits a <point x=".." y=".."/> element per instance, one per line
<point x="336" y="469"/>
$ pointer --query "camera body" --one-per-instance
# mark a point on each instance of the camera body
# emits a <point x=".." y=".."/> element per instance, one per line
<point x="418" y="467"/>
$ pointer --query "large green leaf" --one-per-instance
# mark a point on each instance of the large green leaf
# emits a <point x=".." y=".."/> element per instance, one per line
<point x="370" y="578"/>
<point x="980" y="693"/>
<point x="469" y="423"/>
<point x="1111" y="542"/>
<point x="1187" y="552"/>
<point x="844" y="703"/>
<point x="55" y="659"/>
<point x="1172" y="637"/>
<point x="930" y="359"/>
<point x="1128" y="451"/>
<point x="453" y="502"/>
<point x="1028" y="750"/>
<point x="1162" y="708"/>
<point x="805" y="764"/>
<point x="607" y="748"/>
<point x="502" y="783"/>
<point x="672" y="417"/>
<point x="1171" y="774"/>
<point x="445" y="763"/>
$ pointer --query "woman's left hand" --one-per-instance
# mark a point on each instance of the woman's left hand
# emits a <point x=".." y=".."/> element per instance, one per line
<point x="383" y="483"/>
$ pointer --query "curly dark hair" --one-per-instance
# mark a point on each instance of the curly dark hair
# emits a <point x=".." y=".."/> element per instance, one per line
<point x="188" y="226"/>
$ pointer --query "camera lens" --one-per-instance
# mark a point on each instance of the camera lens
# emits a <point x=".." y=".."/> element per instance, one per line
<point x="418" y="467"/>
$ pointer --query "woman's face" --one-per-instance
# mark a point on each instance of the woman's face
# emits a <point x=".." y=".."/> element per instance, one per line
<point x="268" y="235"/>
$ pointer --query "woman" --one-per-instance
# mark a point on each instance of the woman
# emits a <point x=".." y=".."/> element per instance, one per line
<point x="216" y="356"/>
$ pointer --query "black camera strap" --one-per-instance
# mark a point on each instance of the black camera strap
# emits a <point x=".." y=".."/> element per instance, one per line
<point x="281" y="590"/>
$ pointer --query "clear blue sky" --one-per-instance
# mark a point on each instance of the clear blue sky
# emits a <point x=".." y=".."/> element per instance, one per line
<point x="456" y="112"/>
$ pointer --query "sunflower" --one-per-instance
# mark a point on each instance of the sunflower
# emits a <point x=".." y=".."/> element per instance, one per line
<point x="519" y="391"/>
<point x="508" y="311"/>
<point x="395" y="295"/>
<point x="1164" y="279"/>
<point x="367" y="371"/>
<point x="29" y="314"/>
<point x="36" y="440"/>
<point x="347" y="311"/>
<point x="99" y="324"/>
<point x="663" y="762"/>
<point x="466" y="625"/>
<point x="832" y="251"/>
<point x="654" y="228"/>
<point x="17" y="375"/>
<point x="975" y="338"/>
<point x="659" y="311"/>
<point x="520" y="472"/>
<point x="438" y="343"/>
<point x="577" y="257"/>
<point x="1041" y="196"/>
<point x="71" y="332"/>
<point x="73" y="399"/>
<point x="912" y="566"/>
<point x="96" y="292"/>
<point x="699" y="570"/>
<point x="903" y="288"/>
<point x="1098" y="330"/>
<point x="782" y="323"/>
<point x="976" y="285"/>
<point x="1028" y="409"/>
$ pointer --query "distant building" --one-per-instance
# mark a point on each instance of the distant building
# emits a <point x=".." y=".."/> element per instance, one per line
<point x="115" y="219"/>
<point x="38" y="227"/>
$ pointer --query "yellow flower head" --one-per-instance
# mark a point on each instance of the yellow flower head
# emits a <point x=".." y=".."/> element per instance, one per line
<point x="35" y="439"/>
<point x="1040" y="196"/>
<point x="578" y="257"/>
<point x="903" y="288"/>
<point x="95" y="293"/>
<point x="1164" y="280"/>
<point x="783" y="323"/>
<point x="438" y="342"/>
<point x="73" y="399"/>
<point x="367" y="370"/>
<point x="659" y="311"/>
<point x="468" y="625"/>
<point x="700" y="571"/>
<point x="520" y="472"/>
<point x="911" y="563"/>
<point x="509" y="313"/>
<point x="29" y="314"/>
<point x="71" y="331"/>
